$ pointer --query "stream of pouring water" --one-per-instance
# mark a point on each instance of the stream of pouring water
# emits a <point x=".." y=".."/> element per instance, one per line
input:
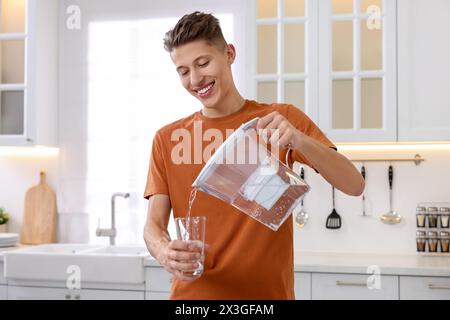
<point x="192" y="196"/>
<point x="186" y="234"/>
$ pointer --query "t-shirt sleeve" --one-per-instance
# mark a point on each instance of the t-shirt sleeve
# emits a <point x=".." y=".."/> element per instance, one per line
<point x="303" y="123"/>
<point x="157" y="174"/>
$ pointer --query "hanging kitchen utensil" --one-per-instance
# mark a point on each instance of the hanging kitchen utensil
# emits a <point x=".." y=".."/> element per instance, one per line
<point x="391" y="217"/>
<point x="302" y="217"/>
<point x="334" y="219"/>
<point x="363" y="173"/>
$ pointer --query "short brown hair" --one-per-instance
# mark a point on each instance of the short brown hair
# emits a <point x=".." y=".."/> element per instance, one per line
<point x="195" y="26"/>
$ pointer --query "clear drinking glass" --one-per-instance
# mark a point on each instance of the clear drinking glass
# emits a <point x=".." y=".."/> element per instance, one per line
<point x="193" y="229"/>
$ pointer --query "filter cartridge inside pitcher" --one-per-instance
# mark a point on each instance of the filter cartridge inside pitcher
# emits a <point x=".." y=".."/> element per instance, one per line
<point x="264" y="186"/>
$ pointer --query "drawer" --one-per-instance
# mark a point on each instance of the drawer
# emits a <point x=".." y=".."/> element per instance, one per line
<point x="157" y="279"/>
<point x="2" y="278"/>
<point x="3" y="293"/>
<point x="39" y="293"/>
<point x="302" y="286"/>
<point x="157" y="295"/>
<point x="424" y="288"/>
<point x="336" y="286"/>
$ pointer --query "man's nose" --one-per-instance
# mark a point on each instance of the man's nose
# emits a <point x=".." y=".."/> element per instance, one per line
<point x="196" y="78"/>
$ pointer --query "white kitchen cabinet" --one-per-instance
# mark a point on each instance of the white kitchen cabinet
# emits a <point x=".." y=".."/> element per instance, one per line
<point x="424" y="288"/>
<point x="157" y="279"/>
<point x="338" y="67"/>
<point x="2" y="277"/>
<point x="29" y="73"/>
<point x="3" y="292"/>
<point x="302" y="285"/>
<point x="149" y="295"/>
<point x="41" y="293"/>
<point x="335" y="286"/>
<point x="157" y="283"/>
<point x="357" y="71"/>
<point x="423" y="70"/>
<point x="111" y="295"/>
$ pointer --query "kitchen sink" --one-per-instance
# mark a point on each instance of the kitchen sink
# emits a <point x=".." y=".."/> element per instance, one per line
<point x="119" y="251"/>
<point x="94" y="264"/>
<point x="60" y="248"/>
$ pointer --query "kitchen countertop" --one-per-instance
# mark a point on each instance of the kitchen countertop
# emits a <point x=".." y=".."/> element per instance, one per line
<point x="327" y="262"/>
<point x="389" y="264"/>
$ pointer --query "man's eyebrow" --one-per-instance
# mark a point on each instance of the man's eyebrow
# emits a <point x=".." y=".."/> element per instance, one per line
<point x="198" y="58"/>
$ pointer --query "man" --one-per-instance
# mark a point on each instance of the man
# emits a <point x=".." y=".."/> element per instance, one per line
<point x="244" y="259"/>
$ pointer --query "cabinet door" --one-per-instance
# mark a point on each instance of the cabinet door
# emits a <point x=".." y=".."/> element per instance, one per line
<point x="28" y="72"/>
<point x="357" y="70"/>
<point x="3" y="293"/>
<point x="303" y="286"/>
<point x="333" y="286"/>
<point x="424" y="288"/>
<point x="285" y="57"/>
<point x="37" y="293"/>
<point x="157" y="279"/>
<point x="423" y="70"/>
<point x="13" y="87"/>
<point x="2" y="277"/>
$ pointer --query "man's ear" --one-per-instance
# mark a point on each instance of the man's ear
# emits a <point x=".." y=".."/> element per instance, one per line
<point x="231" y="53"/>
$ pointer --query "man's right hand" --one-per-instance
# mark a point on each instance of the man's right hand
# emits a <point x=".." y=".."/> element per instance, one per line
<point x="175" y="256"/>
<point x="179" y="256"/>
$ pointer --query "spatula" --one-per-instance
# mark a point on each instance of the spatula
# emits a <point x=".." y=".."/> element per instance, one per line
<point x="334" y="219"/>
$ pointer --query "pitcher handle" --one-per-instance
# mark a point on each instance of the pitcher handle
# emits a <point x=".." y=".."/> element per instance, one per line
<point x="287" y="158"/>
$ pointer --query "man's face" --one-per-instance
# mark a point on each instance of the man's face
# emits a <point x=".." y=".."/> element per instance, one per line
<point x="204" y="70"/>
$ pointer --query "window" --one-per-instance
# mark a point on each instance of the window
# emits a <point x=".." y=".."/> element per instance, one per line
<point x="119" y="86"/>
<point x="131" y="77"/>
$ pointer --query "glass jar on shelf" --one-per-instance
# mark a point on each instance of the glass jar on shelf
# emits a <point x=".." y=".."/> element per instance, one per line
<point x="432" y="241"/>
<point x="421" y="213"/>
<point x="444" y="215"/>
<point x="432" y="217"/>
<point x="421" y="239"/>
<point x="444" y="238"/>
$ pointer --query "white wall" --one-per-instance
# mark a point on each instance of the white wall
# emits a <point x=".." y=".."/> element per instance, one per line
<point x="18" y="173"/>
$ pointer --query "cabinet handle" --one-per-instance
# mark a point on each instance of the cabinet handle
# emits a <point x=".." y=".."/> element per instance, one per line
<point x="438" y="287"/>
<point x="350" y="284"/>
<point x="67" y="296"/>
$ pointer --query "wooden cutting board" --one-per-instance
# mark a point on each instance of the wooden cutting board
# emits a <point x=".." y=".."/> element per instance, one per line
<point x="39" y="217"/>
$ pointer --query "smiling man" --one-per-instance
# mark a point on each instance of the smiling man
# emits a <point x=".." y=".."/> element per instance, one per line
<point x="244" y="259"/>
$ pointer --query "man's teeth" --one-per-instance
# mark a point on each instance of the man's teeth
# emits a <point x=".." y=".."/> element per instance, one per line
<point x="204" y="90"/>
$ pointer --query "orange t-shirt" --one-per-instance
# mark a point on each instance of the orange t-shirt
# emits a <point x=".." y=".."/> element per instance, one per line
<point x="245" y="259"/>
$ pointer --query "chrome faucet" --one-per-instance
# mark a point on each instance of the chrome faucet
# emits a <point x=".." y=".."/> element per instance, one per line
<point x="111" y="233"/>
